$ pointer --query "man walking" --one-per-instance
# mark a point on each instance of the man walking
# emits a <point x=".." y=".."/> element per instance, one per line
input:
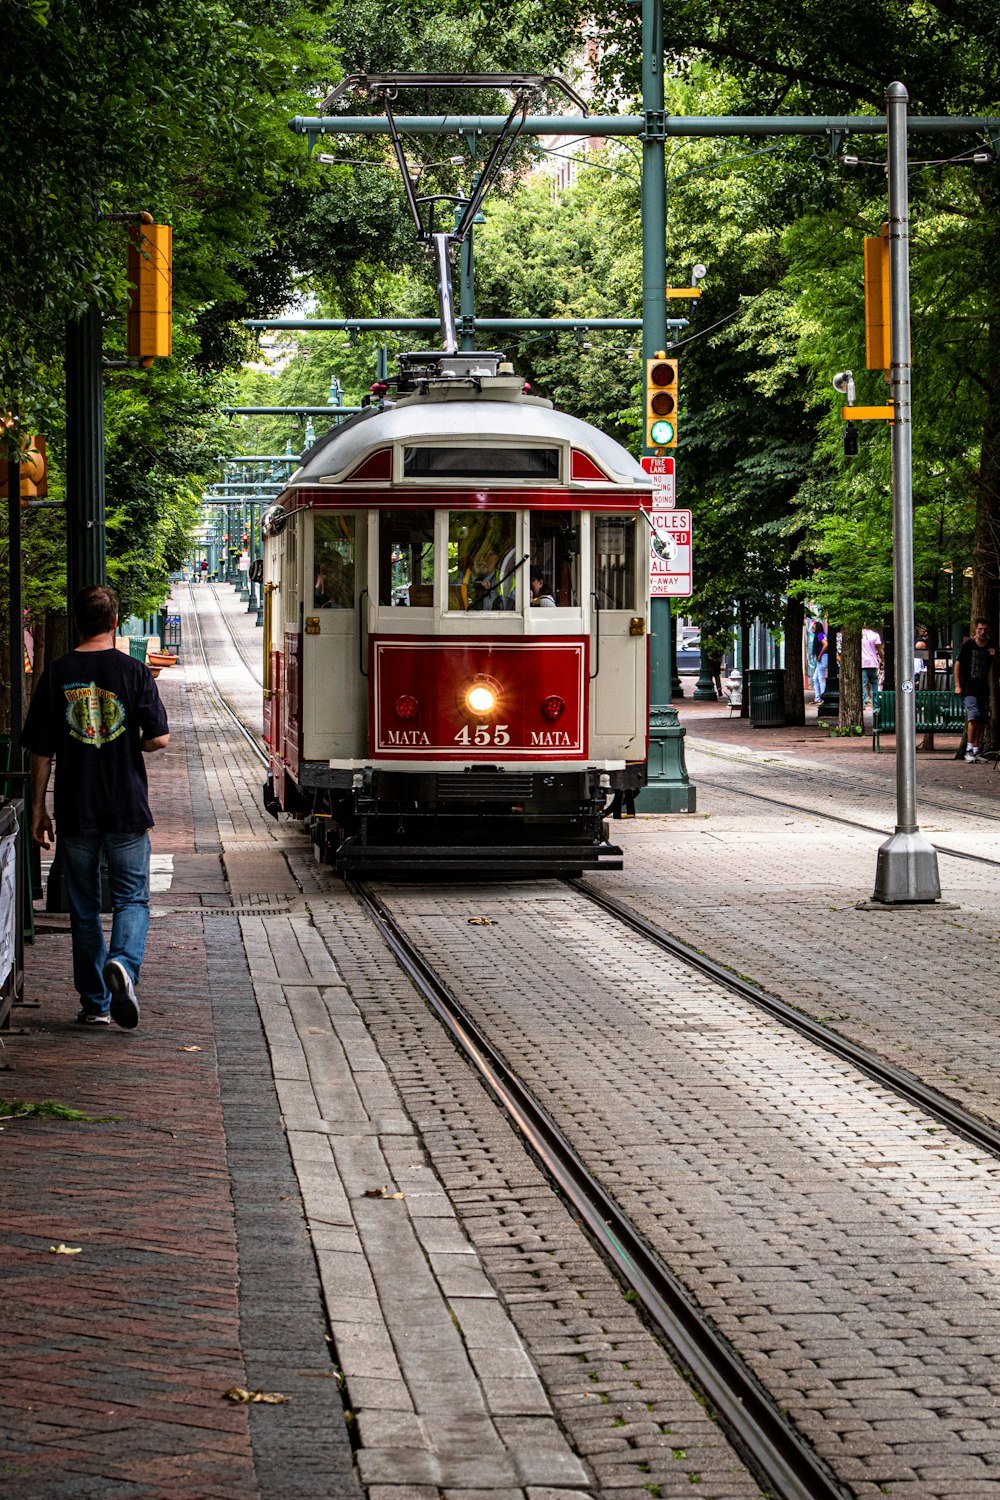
<point x="96" y="712"/>
<point x="972" y="681"/>
<point x="871" y="663"/>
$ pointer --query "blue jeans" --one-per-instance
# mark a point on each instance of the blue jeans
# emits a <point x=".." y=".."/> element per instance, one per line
<point x="869" y="685"/>
<point x="127" y="856"/>
<point x="819" y="678"/>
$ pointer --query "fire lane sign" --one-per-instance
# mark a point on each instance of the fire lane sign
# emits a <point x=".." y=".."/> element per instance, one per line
<point x="669" y="553"/>
<point x="661" y="472"/>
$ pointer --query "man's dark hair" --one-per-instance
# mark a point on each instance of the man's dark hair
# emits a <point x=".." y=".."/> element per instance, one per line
<point x="95" y="610"/>
<point x="981" y="620"/>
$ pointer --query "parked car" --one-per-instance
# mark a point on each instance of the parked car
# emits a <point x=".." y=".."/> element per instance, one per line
<point x="689" y="655"/>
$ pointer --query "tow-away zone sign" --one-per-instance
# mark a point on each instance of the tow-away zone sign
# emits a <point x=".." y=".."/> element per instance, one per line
<point x="669" y="553"/>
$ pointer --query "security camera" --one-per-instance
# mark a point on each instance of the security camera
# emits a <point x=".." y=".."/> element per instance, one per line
<point x="844" y="383"/>
<point x="698" y="273"/>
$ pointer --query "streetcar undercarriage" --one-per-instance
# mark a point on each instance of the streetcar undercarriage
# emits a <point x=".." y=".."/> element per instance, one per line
<point x="483" y="821"/>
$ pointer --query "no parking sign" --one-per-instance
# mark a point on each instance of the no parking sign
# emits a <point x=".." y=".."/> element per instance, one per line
<point x="669" y="553"/>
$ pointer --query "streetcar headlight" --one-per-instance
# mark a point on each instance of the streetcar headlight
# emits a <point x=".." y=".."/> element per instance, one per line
<point x="407" y="706"/>
<point x="481" y="699"/>
<point x="553" y="706"/>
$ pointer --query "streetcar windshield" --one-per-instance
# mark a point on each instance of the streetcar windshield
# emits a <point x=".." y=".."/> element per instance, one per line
<point x="554" y="576"/>
<point x="484" y="572"/>
<point x="406" y="557"/>
<point x="333" y="562"/>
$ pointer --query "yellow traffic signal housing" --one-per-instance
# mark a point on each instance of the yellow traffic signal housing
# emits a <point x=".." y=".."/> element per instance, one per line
<point x="661" y="402"/>
<point x="150" y="275"/>
<point x="877" y="317"/>
<point x="33" y="472"/>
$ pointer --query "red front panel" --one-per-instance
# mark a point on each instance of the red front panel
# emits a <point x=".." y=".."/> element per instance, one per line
<point x="419" y="710"/>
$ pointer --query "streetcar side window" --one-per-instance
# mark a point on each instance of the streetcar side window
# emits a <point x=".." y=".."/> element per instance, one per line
<point x="406" y="558"/>
<point x="483" y="566"/>
<point x="614" y="561"/>
<point x="333" y="562"/>
<point x="554" y="575"/>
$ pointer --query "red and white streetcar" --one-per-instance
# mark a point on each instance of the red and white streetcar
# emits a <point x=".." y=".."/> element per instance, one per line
<point x="456" y="602"/>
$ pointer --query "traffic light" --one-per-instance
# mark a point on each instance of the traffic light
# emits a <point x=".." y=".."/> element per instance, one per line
<point x="661" y="402"/>
<point x="149" y="271"/>
<point x="33" y="473"/>
<point x="877" y="352"/>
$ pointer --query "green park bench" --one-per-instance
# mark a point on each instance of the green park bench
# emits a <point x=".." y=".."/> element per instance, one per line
<point x="937" y="713"/>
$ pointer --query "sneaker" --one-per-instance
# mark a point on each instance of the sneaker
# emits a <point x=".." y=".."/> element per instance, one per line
<point x="92" y="1018"/>
<point x="124" y="1005"/>
<point x="972" y="753"/>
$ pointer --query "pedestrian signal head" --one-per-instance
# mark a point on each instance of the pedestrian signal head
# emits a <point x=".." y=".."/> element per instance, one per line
<point x="661" y="402"/>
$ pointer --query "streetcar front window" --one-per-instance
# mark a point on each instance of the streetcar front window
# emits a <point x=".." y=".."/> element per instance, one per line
<point x="614" y="561"/>
<point x="484" y="571"/>
<point x="554" y="575"/>
<point x="333" y="562"/>
<point x="481" y="463"/>
<point x="406" y="558"/>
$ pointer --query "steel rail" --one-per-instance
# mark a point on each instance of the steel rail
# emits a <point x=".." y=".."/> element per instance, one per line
<point x="776" y="1450"/>
<point x="248" y="734"/>
<point x="957" y="1118"/>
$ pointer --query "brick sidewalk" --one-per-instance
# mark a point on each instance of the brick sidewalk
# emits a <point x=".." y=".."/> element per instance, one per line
<point x="117" y="1358"/>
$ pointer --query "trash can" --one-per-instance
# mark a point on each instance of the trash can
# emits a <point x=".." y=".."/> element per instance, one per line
<point x="138" y="645"/>
<point x="766" y="687"/>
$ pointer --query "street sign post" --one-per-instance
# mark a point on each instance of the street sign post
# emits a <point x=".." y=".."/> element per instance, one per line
<point x="670" y="553"/>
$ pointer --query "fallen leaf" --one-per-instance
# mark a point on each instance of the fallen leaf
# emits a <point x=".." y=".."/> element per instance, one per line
<point x="240" y="1395"/>
<point x="189" y="1049"/>
<point x="481" y="922"/>
<point x="62" y="1249"/>
<point x="382" y="1192"/>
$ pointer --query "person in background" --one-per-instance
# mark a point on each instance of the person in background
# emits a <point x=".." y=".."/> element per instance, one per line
<point x="973" y="665"/>
<point x="96" y="712"/>
<point x="872" y="654"/>
<point x="820" y="653"/>
<point x="541" y="591"/>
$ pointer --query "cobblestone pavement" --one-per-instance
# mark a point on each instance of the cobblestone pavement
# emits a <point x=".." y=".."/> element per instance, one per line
<point x="482" y="1346"/>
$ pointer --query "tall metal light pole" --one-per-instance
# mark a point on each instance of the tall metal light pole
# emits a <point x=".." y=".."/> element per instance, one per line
<point x="668" y="788"/>
<point x="907" y="868"/>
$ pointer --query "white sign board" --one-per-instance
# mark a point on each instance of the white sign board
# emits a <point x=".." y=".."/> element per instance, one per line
<point x="661" y="472"/>
<point x="669" y="553"/>
<point x="8" y="904"/>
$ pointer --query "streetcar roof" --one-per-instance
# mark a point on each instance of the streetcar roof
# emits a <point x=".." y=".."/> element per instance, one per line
<point x="457" y="416"/>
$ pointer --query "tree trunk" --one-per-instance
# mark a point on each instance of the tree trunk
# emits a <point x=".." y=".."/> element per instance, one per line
<point x="851" y="716"/>
<point x="795" y="698"/>
<point x="986" y="539"/>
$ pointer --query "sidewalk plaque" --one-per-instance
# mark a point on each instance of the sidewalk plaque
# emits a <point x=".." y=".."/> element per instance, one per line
<point x="669" y="553"/>
<point x="661" y="472"/>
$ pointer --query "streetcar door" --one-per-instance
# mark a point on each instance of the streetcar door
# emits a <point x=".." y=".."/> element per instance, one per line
<point x="618" y="658"/>
<point x="335" y="716"/>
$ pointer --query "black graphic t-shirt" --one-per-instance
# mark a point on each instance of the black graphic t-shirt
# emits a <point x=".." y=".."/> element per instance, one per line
<point x="91" y="710"/>
<point x="974" y="663"/>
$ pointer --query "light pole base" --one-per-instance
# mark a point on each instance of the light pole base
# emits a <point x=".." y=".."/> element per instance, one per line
<point x="668" y="788"/>
<point x="907" y="870"/>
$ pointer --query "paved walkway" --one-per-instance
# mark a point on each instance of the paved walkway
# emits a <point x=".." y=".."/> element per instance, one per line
<point x="302" y="1191"/>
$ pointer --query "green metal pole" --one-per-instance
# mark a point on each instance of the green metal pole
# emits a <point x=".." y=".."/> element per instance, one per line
<point x="668" y="789"/>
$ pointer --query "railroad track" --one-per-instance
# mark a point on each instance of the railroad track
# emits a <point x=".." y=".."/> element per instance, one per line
<point x="785" y="1462"/>
<point x="776" y="1450"/>
<point x="252" y="667"/>
<point x="251" y="737"/>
